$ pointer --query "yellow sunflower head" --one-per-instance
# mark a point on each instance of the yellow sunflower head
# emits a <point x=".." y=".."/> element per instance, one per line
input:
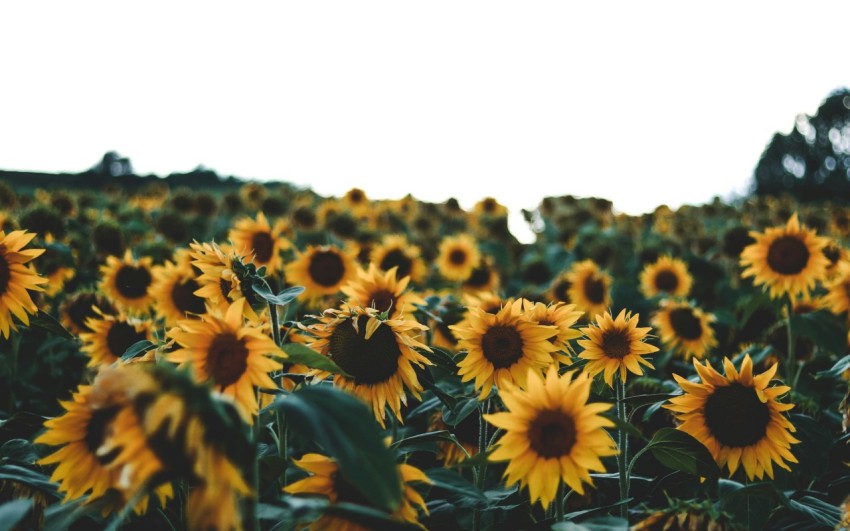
<point x="327" y="480"/>
<point x="173" y="291"/>
<point x="382" y="291"/>
<point x="613" y="345"/>
<point x="458" y="257"/>
<point x="666" y="276"/>
<point x="502" y="348"/>
<point x="126" y="282"/>
<point x="737" y="417"/>
<point x="552" y="434"/>
<point x="589" y="287"/>
<point x="356" y="200"/>
<point x="685" y="328"/>
<point x="837" y="298"/>
<point x="836" y="255"/>
<point x="489" y="207"/>
<point x="561" y="316"/>
<point x="110" y="336"/>
<point x="261" y="241"/>
<point x="379" y="355"/>
<point x="483" y="278"/>
<point x="396" y="251"/>
<point x="786" y="260"/>
<point x="218" y="283"/>
<point x="321" y="270"/>
<point x="17" y="279"/>
<point x="234" y="357"/>
<point x="559" y="290"/>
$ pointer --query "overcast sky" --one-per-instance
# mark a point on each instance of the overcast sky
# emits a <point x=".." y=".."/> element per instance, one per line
<point x="639" y="102"/>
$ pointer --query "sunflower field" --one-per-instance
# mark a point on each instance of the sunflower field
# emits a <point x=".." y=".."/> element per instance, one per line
<point x="259" y="357"/>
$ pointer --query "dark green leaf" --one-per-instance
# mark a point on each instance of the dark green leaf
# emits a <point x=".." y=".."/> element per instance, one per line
<point x="345" y="428"/>
<point x="827" y="330"/>
<point x="46" y="322"/>
<point x="819" y="511"/>
<point x="600" y="523"/>
<point x="281" y="299"/>
<point x="837" y="370"/>
<point x="442" y="358"/>
<point x="575" y="514"/>
<point x="751" y="505"/>
<point x="369" y="518"/>
<point x="815" y="443"/>
<point x="462" y="492"/>
<point x="304" y="355"/>
<point x="623" y="425"/>
<point x="423" y="442"/>
<point x="20" y="450"/>
<point x="678" y="450"/>
<point x="27" y="477"/>
<point x="136" y="349"/>
<point x="462" y="409"/>
<point x="13" y="512"/>
<point x="645" y="400"/>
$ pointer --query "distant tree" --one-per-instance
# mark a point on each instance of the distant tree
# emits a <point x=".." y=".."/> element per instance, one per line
<point x="113" y="165"/>
<point x="813" y="161"/>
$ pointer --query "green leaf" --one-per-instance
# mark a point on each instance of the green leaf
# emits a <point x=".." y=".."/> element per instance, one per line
<point x="46" y="322"/>
<point x="11" y="513"/>
<point x="346" y="429"/>
<point x="20" y="450"/>
<point x="620" y="424"/>
<point x="576" y="514"/>
<point x="837" y="370"/>
<point x="423" y="442"/>
<point x="462" y="409"/>
<point x="751" y="505"/>
<point x="369" y="518"/>
<point x="442" y="358"/>
<point x="678" y="450"/>
<point x="281" y="299"/>
<point x="825" y="329"/>
<point x="136" y="349"/>
<point x="818" y="510"/>
<point x="600" y="523"/>
<point x="814" y="448"/>
<point x="27" y="477"/>
<point x="645" y="400"/>
<point x="304" y="355"/>
<point x="462" y="492"/>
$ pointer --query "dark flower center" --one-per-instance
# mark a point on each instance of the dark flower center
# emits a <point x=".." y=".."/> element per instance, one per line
<point x="132" y="282"/>
<point x="122" y="336"/>
<point x="80" y="309"/>
<point x="227" y="359"/>
<point x="304" y="217"/>
<point x="480" y="276"/>
<point x="666" y="280"/>
<point x="735" y="415"/>
<point x="326" y="268"/>
<point x="457" y="257"/>
<point x="397" y="258"/>
<point x="383" y="300"/>
<point x="5" y="273"/>
<point x="832" y="253"/>
<point x="369" y="361"/>
<point x="685" y="323"/>
<point x="263" y="246"/>
<point x="96" y="431"/>
<point x="502" y="346"/>
<point x="184" y="298"/>
<point x="561" y="291"/>
<point x="552" y="434"/>
<point x="787" y="255"/>
<point x="615" y="344"/>
<point x="594" y="289"/>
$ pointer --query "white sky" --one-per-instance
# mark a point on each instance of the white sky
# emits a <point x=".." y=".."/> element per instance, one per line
<point x="639" y="102"/>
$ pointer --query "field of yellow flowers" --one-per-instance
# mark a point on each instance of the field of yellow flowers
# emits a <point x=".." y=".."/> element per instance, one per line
<point x="260" y="357"/>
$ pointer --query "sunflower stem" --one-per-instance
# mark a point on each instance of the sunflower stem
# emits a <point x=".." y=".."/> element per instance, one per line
<point x="559" y="502"/>
<point x="483" y="409"/>
<point x="274" y="323"/>
<point x="790" y="361"/>
<point x="253" y="516"/>
<point x="13" y="371"/>
<point x="623" y="443"/>
<point x="282" y="443"/>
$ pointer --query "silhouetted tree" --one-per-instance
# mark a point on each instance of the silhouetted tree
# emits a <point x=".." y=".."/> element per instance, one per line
<point x="113" y="165"/>
<point x="813" y="161"/>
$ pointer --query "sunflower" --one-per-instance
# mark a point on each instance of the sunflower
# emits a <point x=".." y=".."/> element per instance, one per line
<point x="259" y="240"/>
<point x="219" y="285"/>
<point x="458" y="257"/>
<point x="837" y="298"/>
<point x="234" y="357"/>
<point x="559" y="290"/>
<point x="80" y="307"/>
<point x="615" y="344"/>
<point x="321" y="270"/>
<point x="487" y="301"/>
<point x="174" y="291"/>
<point x="396" y="251"/>
<point x="489" y="207"/>
<point x="552" y="434"/>
<point x="666" y="276"/>
<point x="378" y="354"/>
<point x="737" y="417"/>
<point x="786" y="259"/>
<point x="17" y="279"/>
<point x="502" y="348"/>
<point x="126" y="282"/>
<point x="382" y="291"/>
<point x="356" y="200"/>
<point x="561" y="316"/>
<point x="685" y="328"/>
<point x="590" y="288"/>
<point x="483" y="278"/>
<point x="327" y="480"/>
<point x="835" y="255"/>
<point x="111" y="336"/>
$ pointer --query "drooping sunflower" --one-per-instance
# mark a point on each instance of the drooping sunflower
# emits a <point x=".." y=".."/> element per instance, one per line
<point x="561" y="316"/>
<point x="615" y="345"/>
<point x="378" y="354"/>
<point x="111" y="336"/>
<point x="231" y="355"/>
<point x="126" y="282"/>
<point x="17" y="279"/>
<point x="396" y="251"/>
<point x="502" y="348"/>
<point x="837" y="298"/>
<point x="219" y="285"/>
<point x="590" y="288"/>
<point x="737" y="417"/>
<point x="173" y="290"/>
<point x="261" y="241"/>
<point x="458" y="257"/>
<point x="667" y="275"/>
<point x="552" y="434"/>
<point x="786" y="259"/>
<point x="321" y="270"/>
<point x="685" y="328"/>
<point x="383" y="291"/>
<point x="327" y="480"/>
